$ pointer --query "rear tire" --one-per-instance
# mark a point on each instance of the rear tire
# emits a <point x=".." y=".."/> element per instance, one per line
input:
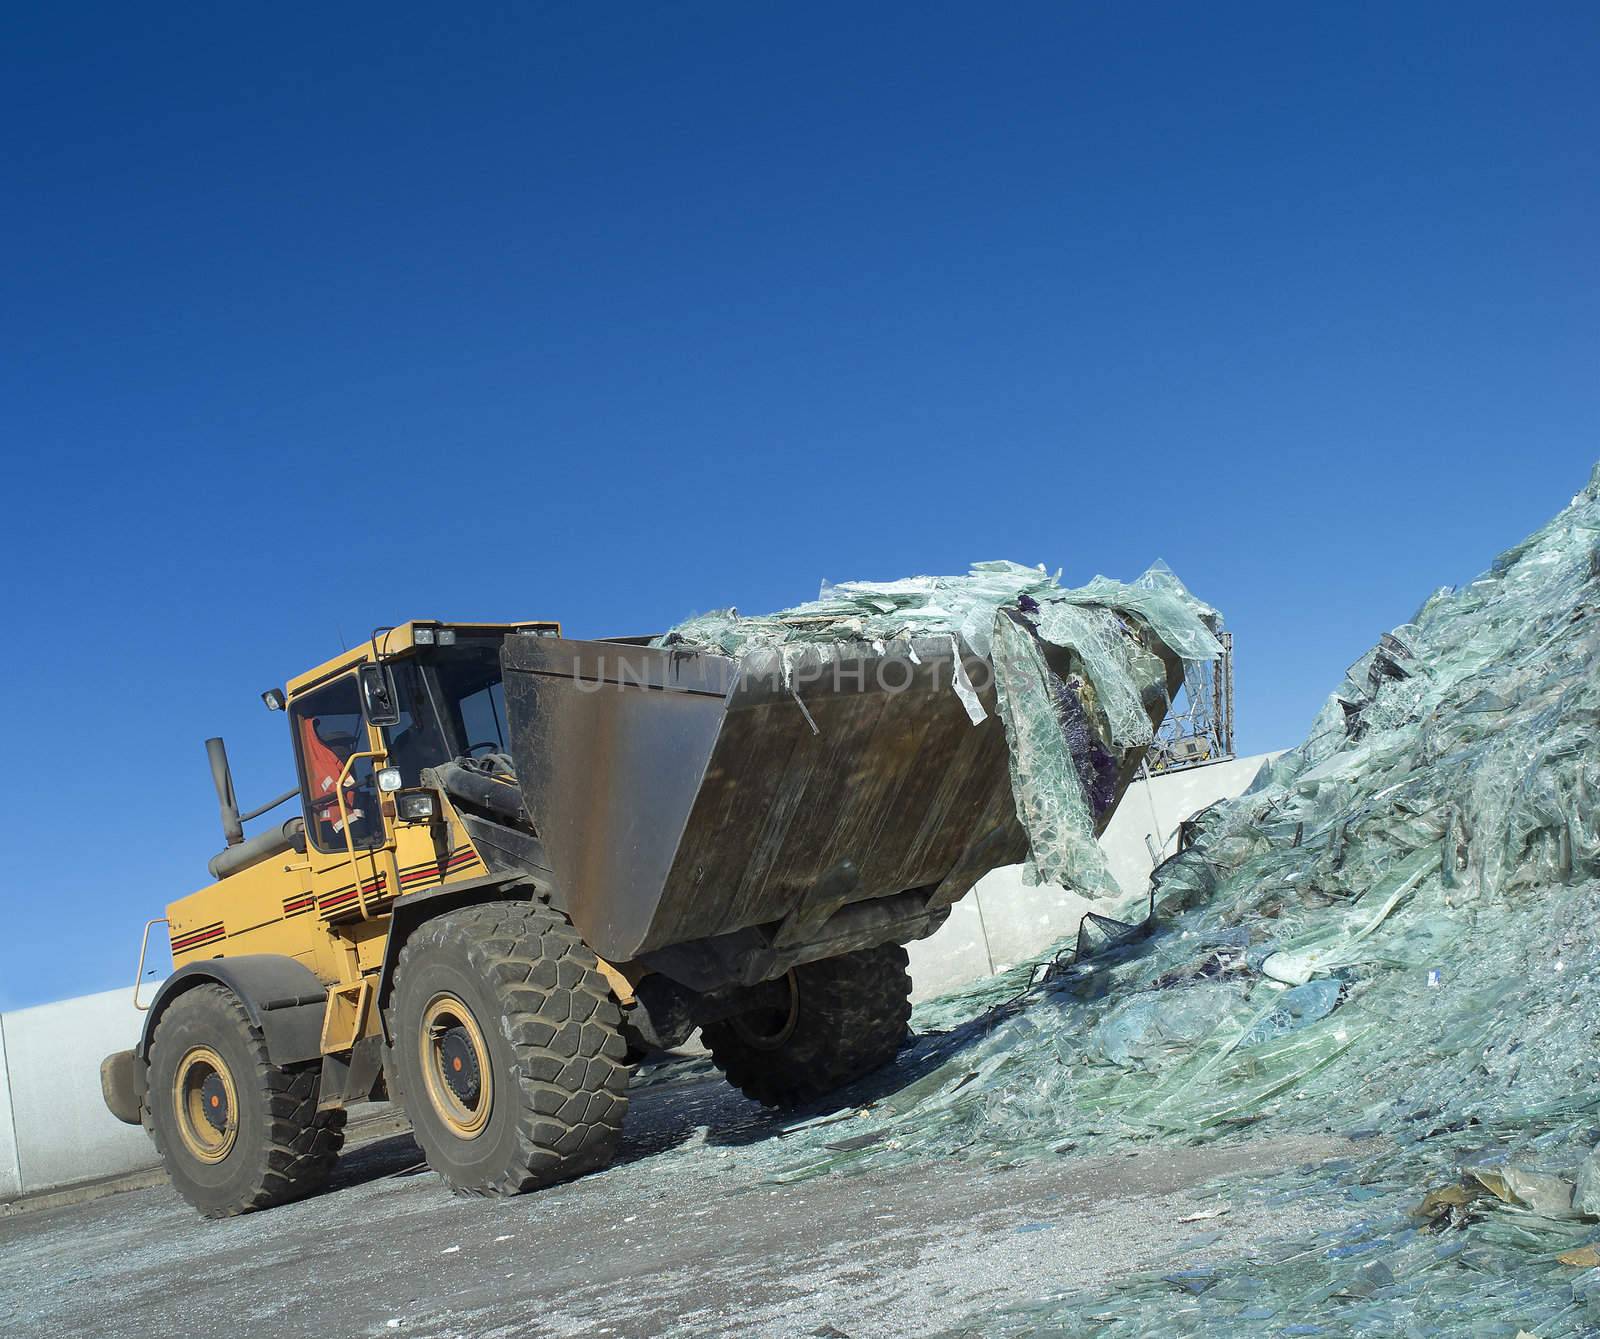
<point x="508" y="1052"/>
<point x="235" y="1131"/>
<point x="846" y="1017"/>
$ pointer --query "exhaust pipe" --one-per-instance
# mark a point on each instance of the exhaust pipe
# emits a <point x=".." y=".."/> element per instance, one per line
<point x="222" y="779"/>
<point x="263" y="846"/>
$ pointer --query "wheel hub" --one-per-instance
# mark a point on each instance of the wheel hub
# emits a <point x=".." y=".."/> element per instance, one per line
<point x="767" y="1028"/>
<point x="214" y="1102"/>
<point x="459" y="1062"/>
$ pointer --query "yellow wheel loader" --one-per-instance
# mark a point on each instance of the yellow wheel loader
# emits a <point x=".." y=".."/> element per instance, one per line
<point x="521" y="862"/>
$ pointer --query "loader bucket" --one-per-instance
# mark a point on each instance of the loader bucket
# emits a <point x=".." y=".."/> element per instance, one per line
<point x="681" y="794"/>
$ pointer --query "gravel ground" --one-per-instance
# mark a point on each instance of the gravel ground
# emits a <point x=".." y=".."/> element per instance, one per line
<point x="687" y="1234"/>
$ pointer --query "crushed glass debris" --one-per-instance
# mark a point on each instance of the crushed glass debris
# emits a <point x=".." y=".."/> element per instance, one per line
<point x="1393" y="936"/>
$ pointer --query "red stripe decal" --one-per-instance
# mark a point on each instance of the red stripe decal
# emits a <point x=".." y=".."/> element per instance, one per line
<point x="429" y="873"/>
<point x="195" y="938"/>
<point x="410" y="877"/>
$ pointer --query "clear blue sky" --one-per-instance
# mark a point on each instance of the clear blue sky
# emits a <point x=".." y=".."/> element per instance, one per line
<point x="321" y="317"/>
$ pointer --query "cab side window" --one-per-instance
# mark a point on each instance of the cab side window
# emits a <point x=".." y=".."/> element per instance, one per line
<point x="328" y="727"/>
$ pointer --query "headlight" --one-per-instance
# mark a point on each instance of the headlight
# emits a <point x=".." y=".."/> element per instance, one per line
<point x="389" y="780"/>
<point x="447" y="636"/>
<point x="422" y="636"/>
<point x="416" y="806"/>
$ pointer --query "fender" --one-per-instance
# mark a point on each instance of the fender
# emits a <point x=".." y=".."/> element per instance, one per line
<point x="415" y="908"/>
<point x="283" y="997"/>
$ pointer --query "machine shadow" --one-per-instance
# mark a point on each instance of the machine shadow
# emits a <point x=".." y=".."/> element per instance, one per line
<point x="685" y="1101"/>
<point x="680" y="1100"/>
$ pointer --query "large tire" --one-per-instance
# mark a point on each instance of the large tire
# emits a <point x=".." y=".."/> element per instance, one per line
<point x="846" y="1017"/>
<point x="235" y="1131"/>
<point x="508" y="1054"/>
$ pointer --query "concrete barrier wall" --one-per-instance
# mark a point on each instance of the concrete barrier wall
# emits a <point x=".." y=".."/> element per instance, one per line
<point x="55" y="1130"/>
<point x="10" y="1174"/>
<point x="1151" y="814"/>
<point x="1002" y="921"/>
<point x="61" y="1130"/>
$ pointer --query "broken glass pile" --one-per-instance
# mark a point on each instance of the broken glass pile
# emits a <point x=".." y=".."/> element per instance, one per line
<point x="1064" y="733"/>
<point x="1392" y="937"/>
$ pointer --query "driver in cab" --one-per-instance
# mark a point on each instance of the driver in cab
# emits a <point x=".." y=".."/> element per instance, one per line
<point x="324" y="760"/>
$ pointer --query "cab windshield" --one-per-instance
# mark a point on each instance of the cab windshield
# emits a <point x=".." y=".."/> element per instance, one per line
<point x="472" y="700"/>
<point x="452" y="704"/>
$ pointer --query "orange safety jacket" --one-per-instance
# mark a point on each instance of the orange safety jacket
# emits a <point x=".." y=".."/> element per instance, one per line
<point x="323" y="766"/>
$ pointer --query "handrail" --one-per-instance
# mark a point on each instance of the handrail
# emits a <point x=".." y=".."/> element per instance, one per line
<point x="392" y="873"/>
<point x="138" y="975"/>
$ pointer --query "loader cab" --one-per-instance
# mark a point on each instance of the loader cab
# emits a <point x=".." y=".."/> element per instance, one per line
<point x="443" y="699"/>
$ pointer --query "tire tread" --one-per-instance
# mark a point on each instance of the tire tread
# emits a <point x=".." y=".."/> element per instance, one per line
<point x="854" y="1011"/>
<point x="302" y="1144"/>
<point x="564" y="1028"/>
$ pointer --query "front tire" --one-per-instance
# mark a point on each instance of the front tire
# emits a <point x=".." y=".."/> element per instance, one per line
<point x="508" y="1052"/>
<point x="845" y="1017"/>
<point x="235" y="1131"/>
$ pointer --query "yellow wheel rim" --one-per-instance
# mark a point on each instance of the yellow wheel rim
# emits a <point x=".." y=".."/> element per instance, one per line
<point x="455" y="1066"/>
<point x="768" y="1029"/>
<point x="206" y="1103"/>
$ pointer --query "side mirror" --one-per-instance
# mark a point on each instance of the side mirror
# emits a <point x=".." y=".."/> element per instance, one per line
<point x="378" y="697"/>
